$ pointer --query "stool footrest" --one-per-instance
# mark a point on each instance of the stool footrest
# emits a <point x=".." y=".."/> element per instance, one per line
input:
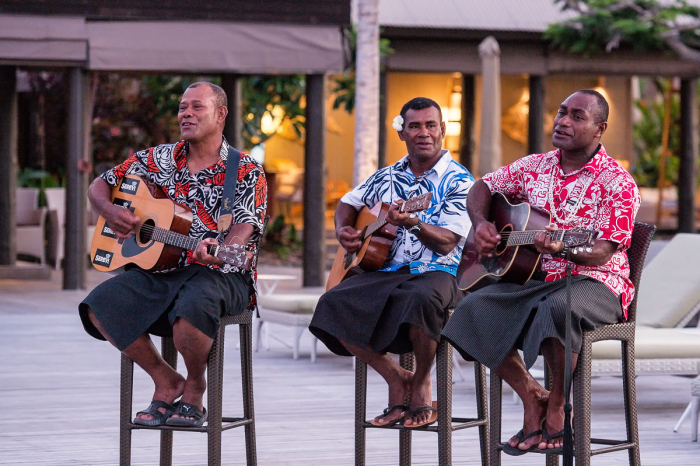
<point x="458" y="423"/>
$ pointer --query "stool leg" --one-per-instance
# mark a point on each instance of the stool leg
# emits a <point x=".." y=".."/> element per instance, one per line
<point x="694" y="409"/>
<point x="405" y="434"/>
<point x="169" y="354"/>
<point x="215" y="366"/>
<point x="582" y="405"/>
<point x="443" y="370"/>
<point x="125" y="401"/>
<point x="482" y="411"/>
<point x="360" y="410"/>
<point x="246" y="336"/>
<point x="629" y="387"/>
<point x="495" y="419"/>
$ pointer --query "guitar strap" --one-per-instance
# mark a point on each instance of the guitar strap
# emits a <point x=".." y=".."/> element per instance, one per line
<point x="226" y="214"/>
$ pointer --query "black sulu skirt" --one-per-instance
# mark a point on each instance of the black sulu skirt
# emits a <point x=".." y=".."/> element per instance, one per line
<point x="376" y="309"/>
<point x="492" y="320"/>
<point x="136" y="302"/>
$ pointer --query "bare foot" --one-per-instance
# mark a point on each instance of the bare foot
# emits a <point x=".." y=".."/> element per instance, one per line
<point x="535" y="411"/>
<point x="168" y="392"/>
<point x="554" y="424"/>
<point x="399" y="391"/>
<point x="194" y="394"/>
<point x="421" y="395"/>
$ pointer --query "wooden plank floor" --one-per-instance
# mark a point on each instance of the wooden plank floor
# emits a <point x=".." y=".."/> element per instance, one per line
<point x="59" y="401"/>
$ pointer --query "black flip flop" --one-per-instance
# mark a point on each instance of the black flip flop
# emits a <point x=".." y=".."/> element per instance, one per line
<point x="546" y="435"/>
<point x="431" y="420"/>
<point x="159" y="418"/>
<point x="189" y="410"/>
<point x="386" y="413"/>
<point x="514" y="450"/>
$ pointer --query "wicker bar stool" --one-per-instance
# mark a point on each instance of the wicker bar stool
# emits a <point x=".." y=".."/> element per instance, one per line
<point x="624" y="332"/>
<point x="216" y="422"/>
<point x="446" y="424"/>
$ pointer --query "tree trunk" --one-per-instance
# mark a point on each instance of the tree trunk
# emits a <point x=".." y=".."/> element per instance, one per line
<point x="367" y="90"/>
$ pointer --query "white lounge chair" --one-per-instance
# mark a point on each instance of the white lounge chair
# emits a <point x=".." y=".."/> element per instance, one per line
<point x="29" y="221"/>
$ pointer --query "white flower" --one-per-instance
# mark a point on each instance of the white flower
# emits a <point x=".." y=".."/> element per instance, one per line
<point x="398" y="123"/>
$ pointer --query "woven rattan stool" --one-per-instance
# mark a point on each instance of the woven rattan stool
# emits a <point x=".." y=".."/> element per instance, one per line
<point x="446" y="424"/>
<point x="216" y="422"/>
<point x="624" y="332"/>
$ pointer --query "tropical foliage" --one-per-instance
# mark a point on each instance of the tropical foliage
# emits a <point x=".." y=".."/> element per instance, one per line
<point x="642" y="25"/>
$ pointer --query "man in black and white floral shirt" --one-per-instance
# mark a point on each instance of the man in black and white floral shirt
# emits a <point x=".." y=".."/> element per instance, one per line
<point x="187" y="302"/>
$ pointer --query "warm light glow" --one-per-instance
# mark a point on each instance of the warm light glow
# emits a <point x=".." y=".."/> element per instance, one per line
<point x="454" y="128"/>
<point x="272" y="119"/>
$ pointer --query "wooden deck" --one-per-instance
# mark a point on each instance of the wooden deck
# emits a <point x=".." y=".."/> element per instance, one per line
<point x="59" y="392"/>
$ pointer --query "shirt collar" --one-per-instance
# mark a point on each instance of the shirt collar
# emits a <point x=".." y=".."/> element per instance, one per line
<point x="439" y="168"/>
<point x="223" y="152"/>
<point x="593" y="166"/>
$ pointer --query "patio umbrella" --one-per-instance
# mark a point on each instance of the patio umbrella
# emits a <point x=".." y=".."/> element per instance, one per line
<point x="490" y="143"/>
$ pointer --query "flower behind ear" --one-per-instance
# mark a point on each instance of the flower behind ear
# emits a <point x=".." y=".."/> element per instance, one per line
<point x="398" y="123"/>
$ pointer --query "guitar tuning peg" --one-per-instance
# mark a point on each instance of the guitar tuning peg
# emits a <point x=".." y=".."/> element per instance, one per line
<point x="589" y="249"/>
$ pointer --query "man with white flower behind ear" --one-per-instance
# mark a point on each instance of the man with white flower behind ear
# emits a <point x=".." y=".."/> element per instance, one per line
<point x="401" y="307"/>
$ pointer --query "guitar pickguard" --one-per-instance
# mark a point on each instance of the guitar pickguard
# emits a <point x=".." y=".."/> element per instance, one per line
<point x="131" y="248"/>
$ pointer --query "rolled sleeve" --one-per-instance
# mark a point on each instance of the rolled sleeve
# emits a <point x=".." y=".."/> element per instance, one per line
<point x="136" y="164"/>
<point x="508" y="180"/>
<point x="365" y="194"/>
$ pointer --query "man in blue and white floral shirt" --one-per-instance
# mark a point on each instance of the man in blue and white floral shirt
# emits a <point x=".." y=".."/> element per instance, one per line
<point x="401" y="307"/>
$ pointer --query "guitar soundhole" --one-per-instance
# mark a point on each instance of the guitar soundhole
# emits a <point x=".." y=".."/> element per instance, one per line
<point x="505" y="232"/>
<point x="146" y="231"/>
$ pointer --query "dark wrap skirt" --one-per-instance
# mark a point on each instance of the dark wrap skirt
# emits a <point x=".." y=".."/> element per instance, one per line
<point x="136" y="301"/>
<point x="375" y="309"/>
<point x="492" y="320"/>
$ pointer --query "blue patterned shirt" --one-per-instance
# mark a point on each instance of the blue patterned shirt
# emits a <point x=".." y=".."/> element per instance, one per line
<point x="449" y="182"/>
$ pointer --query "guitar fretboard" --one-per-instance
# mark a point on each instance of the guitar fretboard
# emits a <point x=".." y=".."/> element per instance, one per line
<point x="174" y="239"/>
<point x="522" y="238"/>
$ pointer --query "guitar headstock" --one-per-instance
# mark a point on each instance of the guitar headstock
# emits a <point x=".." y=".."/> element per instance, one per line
<point x="232" y="254"/>
<point x="417" y="203"/>
<point x="574" y="238"/>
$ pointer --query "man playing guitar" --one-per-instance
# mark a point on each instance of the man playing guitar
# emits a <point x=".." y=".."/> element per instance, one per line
<point x="581" y="187"/>
<point x="400" y="308"/>
<point x="185" y="303"/>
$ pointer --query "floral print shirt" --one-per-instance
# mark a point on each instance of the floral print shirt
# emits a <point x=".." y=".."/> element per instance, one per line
<point x="449" y="182"/>
<point x="166" y="166"/>
<point x="609" y="205"/>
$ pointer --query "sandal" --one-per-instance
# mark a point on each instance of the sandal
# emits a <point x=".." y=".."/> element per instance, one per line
<point x="159" y="418"/>
<point x="386" y="412"/>
<point x="515" y="450"/>
<point x="431" y="420"/>
<point x="549" y="438"/>
<point x="190" y="410"/>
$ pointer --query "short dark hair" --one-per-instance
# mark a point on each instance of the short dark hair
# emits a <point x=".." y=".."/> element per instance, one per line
<point x="219" y="94"/>
<point x="603" y="109"/>
<point x="419" y="103"/>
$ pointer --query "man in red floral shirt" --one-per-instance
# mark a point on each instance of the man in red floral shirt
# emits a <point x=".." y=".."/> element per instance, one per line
<point x="581" y="187"/>
<point x="185" y="303"/>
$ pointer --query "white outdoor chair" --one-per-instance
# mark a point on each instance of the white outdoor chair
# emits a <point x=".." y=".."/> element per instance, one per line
<point x="56" y="202"/>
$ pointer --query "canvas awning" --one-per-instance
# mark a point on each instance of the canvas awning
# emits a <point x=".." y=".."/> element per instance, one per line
<point x="172" y="46"/>
<point x="29" y="38"/>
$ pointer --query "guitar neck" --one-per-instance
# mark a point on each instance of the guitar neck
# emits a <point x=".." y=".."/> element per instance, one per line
<point x="174" y="239"/>
<point x="523" y="238"/>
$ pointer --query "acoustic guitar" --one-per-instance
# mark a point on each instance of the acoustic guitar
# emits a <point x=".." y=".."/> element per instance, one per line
<point x="376" y="236"/>
<point x="514" y="260"/>
<point x="160" y="236"/>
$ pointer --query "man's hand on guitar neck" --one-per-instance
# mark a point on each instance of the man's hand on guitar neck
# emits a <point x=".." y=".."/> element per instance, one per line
<point x="201" y="255"/>
<point x="544" y="243"/>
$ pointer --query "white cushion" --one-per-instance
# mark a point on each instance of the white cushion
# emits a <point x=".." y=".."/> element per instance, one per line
<point x="670" y="286"/>
<point x="301" y="303"/>
<point x="655" y="343"/>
